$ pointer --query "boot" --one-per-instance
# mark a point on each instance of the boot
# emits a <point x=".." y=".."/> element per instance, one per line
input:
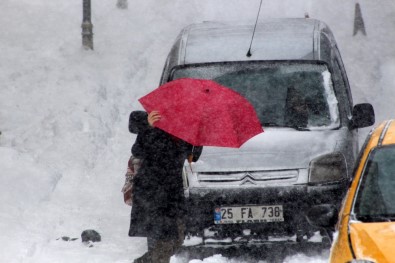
<point x="146" y="258"/>
<point x="162" y="251"/>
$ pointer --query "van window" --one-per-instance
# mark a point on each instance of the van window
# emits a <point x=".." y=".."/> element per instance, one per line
<point x="284" y="94"/>
<point x="326" y="48"/>
<point x="342" y="88"/>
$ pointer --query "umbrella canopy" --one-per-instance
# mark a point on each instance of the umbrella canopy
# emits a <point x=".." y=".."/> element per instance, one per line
<point x="203" y="113"/>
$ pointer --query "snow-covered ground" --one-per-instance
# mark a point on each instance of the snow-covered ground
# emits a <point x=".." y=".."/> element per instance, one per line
<point x="63" y="110"/>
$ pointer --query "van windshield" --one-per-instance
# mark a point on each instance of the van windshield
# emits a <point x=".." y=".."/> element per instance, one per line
<point x="284" y="94"/>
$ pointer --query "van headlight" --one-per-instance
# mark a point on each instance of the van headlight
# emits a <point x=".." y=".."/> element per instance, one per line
<point x="328" y="168"/>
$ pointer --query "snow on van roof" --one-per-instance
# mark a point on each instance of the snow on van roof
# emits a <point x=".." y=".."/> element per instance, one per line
<point x="275" y="39"/>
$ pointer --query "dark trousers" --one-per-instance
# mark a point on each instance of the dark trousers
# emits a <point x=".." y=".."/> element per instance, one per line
<point x="160" y="249"/>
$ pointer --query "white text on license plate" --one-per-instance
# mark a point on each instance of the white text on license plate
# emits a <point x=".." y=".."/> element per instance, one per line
<point x="248" y="214"/>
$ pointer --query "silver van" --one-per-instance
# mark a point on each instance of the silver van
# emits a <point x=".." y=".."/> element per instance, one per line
<point x="295" y="79"/>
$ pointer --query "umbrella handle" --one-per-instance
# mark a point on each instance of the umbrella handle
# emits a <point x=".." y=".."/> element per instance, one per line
<point x="190" y="167"/>
<point x="190" y="158"/>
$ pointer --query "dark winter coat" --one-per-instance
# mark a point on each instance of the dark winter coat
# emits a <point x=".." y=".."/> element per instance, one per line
<point x="158" y="194"/>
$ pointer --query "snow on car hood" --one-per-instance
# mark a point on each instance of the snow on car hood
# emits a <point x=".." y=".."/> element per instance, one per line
<point x="276" y="148"/>
<point x="373" y="240"/>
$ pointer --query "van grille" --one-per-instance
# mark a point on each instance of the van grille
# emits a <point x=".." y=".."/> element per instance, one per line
<point x="246" y="179"/>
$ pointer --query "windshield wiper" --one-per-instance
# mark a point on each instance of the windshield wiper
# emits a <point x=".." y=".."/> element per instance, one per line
<point x="273" y="124"/>
<point x="270" y="124"/>
<point x="299" y="128"/>
<point x="375" y="218"/>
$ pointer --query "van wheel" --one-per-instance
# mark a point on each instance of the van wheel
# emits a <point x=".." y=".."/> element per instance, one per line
<point x="300" y="236"/>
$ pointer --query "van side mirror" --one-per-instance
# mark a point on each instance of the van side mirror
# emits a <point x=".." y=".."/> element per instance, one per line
<point x="362" y="115"/>
<point x="324" y="216"/>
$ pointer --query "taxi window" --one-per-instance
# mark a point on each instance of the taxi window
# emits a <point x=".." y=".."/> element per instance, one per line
<point x="375" y="199"/>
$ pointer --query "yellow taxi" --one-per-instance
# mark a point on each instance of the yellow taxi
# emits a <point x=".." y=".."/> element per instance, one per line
<point x="365" y="230"/>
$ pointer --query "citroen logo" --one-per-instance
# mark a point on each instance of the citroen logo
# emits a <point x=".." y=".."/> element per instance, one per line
<point x="248" y="179"/>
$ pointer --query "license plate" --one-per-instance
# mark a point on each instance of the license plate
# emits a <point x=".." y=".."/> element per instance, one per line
<point x="248" y="214"/>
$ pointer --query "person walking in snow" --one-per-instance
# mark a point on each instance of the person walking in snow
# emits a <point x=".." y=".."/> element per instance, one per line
<point x="158" y="196"/>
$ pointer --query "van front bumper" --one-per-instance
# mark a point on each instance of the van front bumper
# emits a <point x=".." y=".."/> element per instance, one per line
<point x="296" y="201"/>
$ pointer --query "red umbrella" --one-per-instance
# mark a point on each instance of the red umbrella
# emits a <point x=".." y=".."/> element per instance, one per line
<point x="203" y="113"/>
